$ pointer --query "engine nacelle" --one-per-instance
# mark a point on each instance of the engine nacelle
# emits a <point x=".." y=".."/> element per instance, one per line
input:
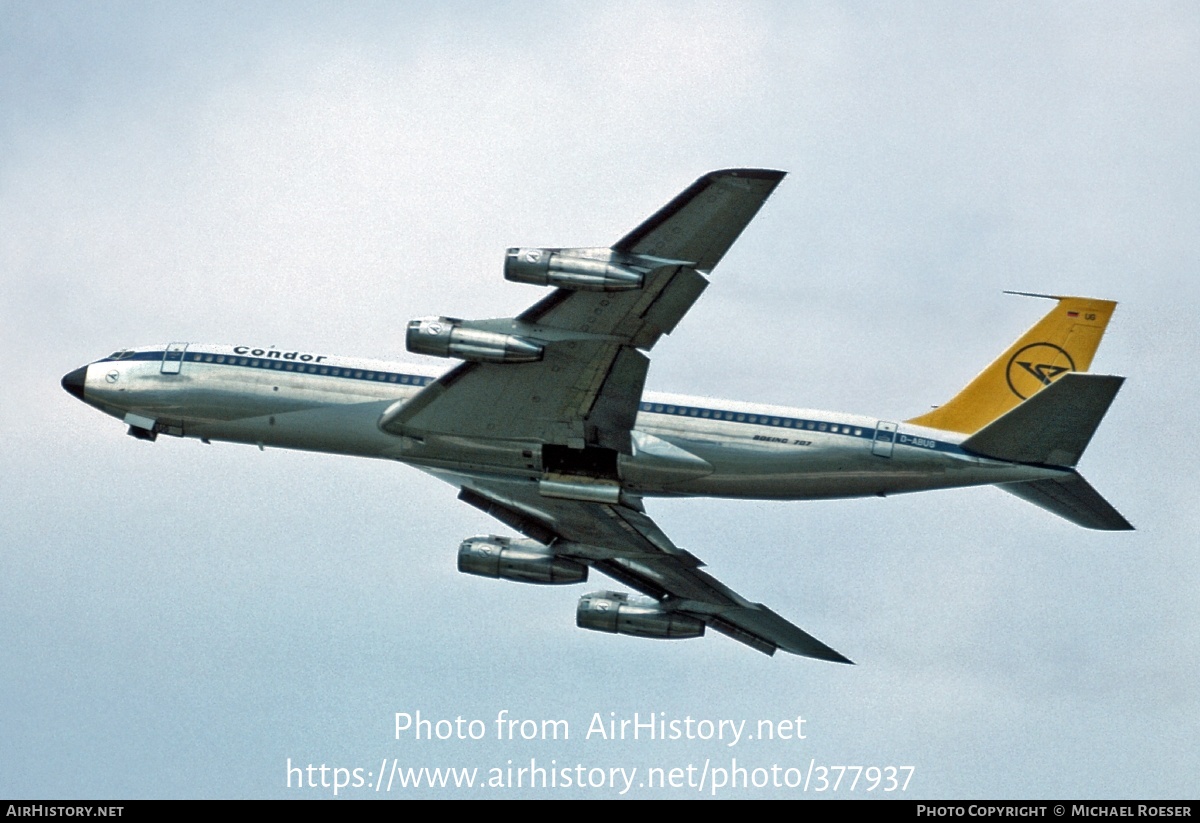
<point x="618" y="613"/>
<point x="550" y="267"/>
<point x="525" y="561"/>
<point x="447" y="337"/>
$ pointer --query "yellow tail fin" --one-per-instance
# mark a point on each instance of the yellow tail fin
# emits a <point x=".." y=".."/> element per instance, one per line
<point x="1065" y="340"/>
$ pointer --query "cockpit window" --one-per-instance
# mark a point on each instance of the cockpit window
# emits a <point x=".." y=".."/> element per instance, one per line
<point x="121" y="355"/>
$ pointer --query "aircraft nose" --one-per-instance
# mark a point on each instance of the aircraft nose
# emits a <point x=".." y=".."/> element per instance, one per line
<point x="73" y="381"/>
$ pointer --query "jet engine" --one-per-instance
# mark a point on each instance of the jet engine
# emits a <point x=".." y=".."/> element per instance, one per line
<point x="619" y="613"/>
<point x="448" y="337"/>
<point x="525" y="561"/>
<point x="551" y="267"/>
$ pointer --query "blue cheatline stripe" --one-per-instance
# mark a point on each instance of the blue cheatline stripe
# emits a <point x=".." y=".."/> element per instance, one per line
<point x="797" y="424"/>
<point x="272" y="364"/>
<point x="399" y="378"/>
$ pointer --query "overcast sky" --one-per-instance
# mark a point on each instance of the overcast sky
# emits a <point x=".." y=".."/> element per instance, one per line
<point x="179" y="620"/>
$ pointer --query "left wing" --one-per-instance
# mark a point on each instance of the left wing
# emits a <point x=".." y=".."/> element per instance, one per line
<point x="584" y="387"/>
<point x="624" y="543"/>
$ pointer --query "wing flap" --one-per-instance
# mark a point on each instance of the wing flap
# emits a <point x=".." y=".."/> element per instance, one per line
<point x="614" y="408"/>
<point x="672" y="303"/>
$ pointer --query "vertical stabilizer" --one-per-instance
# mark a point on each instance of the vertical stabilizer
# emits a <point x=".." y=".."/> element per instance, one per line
<point x="1063" y="341"/>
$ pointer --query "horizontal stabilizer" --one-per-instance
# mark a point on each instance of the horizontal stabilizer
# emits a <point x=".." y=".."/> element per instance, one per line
<point x="1072" y="498"/>
<point x="1051" y="428"/>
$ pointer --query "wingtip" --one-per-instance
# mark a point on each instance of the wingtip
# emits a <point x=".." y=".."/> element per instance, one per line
<point x="753" y="174"/>
<point x="821" y="652"/>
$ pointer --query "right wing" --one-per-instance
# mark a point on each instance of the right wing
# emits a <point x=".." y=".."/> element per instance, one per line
<point x="625" y="544"/>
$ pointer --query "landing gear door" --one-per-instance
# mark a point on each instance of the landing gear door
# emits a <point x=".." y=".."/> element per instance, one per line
<point x="885" y="439"/>
<point x="173" y="358"/>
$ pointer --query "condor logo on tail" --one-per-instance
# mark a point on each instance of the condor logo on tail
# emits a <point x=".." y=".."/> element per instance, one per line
<point x="1063" y="341"/>
<point x="1035" y="366"/>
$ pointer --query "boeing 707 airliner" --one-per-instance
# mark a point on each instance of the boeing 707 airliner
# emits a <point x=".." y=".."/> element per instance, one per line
<point x="545" y="425"/>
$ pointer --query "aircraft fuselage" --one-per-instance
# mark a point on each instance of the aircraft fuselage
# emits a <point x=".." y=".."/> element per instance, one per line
<point x="684" y="446"/>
